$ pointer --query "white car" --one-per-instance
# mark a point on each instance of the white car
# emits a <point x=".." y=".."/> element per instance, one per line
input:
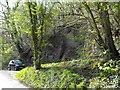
<point x="15" y="65"/>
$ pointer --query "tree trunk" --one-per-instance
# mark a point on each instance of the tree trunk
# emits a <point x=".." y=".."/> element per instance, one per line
<point x="114" y="54"/>
<point x="63" y="50"/>
<point x="25" y="57"/>
<point x="33" y="19"/>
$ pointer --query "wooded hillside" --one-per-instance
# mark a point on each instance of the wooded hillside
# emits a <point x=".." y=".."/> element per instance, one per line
<point x="49" y="32"/>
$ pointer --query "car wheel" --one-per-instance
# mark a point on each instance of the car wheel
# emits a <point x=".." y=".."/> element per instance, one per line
<point x="9" y="68"/>
<point x="16" y="68"/>
<point x="12" y="68"/>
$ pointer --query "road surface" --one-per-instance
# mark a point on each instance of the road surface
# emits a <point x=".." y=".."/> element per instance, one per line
<point x="8" y="81"/>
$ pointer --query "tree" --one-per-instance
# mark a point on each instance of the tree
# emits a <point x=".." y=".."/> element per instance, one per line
<point x="39" y="18"/>
<point x="16" y="36"/>
<point x="100" y="39"/>
<point x="114" y="54"/>
<point x="104" y="21"/>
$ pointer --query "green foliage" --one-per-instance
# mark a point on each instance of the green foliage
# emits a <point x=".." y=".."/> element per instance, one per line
<point x="8" y="53"/>
<point x="104" y="82"/>
<point x="108" y="75"/>
<point x="109" y="68"/>
<point x="64" y="75"/>
<point x="49" y="17"/>
<point x="54" y="77"/>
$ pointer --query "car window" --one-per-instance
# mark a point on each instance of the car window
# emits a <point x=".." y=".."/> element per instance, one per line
<point x="11" y="62"/>
<point x="18" y="62"/>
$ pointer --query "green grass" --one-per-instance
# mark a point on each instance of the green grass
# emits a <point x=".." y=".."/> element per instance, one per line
<point x="54" y="77"/>
<point x="70" y="74"/>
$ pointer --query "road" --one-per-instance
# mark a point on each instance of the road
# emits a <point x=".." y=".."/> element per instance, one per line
<point x="8" y="81"/>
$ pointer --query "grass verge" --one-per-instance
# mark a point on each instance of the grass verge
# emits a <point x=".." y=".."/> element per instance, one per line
<point x="72" y="74"/>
